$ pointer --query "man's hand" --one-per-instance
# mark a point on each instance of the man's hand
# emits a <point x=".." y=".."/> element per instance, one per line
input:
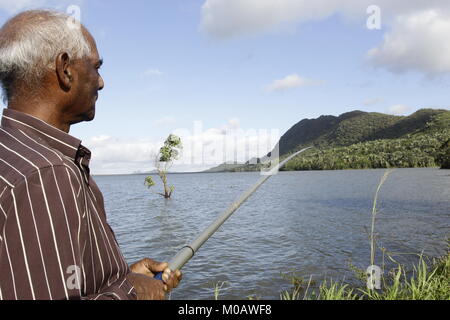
<point x="148" y="288"/>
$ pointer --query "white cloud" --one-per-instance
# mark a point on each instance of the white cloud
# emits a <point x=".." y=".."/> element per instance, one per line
<point x="290" y="82"/>
<point x="228" y="143"/>
<point x="153" y="72"/>
<point x="229" y="18"/>
<point x="418" y="42"/>
<point x="203" y="149"/>
<point x="101" y="138"/>
<point x="415" y="30"/>
<point x="111" y="155"/>
<point x="399" y="109"/>
<point x="234" y="123"/>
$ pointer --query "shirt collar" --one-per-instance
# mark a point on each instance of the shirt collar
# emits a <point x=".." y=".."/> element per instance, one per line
<point x="53" y="137"/>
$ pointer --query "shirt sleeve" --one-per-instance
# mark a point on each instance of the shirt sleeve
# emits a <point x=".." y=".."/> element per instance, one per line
<point x="120" y="290"/>
<point x="45" y="238"/>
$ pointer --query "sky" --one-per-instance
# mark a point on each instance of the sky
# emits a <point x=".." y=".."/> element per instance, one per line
<point x="231" y="76"/>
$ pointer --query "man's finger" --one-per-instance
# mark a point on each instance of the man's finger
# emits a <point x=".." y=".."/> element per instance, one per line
<point x="166" y="274"/>
<point x="179" y="276"/>
<point x="173" y="279"/>
<point x="155" y="266"/>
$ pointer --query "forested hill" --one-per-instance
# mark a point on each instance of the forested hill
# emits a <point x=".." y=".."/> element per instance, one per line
<point x="370" y="140"/>
<point x="354" y="127"/>
<point x="359" y="140"/>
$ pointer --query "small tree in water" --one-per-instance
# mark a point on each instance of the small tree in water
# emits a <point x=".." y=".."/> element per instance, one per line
<point x="164" y="160"/>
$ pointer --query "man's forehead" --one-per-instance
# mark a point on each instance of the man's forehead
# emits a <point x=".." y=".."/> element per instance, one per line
<point x="95" y="56"/>
<point x="89" y="38"/>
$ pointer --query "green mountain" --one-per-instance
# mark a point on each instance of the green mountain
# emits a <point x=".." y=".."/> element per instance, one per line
<point x="357" y="140"/>
<point x="353" y="127"/>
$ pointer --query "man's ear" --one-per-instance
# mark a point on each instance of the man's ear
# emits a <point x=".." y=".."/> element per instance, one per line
<point x="64" y="71"/>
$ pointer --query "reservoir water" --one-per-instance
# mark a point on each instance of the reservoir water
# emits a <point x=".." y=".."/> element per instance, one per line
<point x="313" y="223"/>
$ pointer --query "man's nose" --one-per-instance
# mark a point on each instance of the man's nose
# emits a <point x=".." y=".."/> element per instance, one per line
<point x="101" y="83"/>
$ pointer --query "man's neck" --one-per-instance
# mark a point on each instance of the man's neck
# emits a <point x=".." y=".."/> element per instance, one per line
<point x="42" y="112"/>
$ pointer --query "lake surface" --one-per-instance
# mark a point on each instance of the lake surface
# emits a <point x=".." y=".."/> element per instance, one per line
<point x="313" y="223"/>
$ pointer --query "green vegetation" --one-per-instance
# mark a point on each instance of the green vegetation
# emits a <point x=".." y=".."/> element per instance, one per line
<point x="360" y="140"/>
<point x="217" y="287"/>
<point x="412" y="151"/>
<point x="164" y="160"/>
<point x="426" y="146"/>
<point x="357" y="126"/>
<point x="429" y="280"/>
<point x="444" y="156"/>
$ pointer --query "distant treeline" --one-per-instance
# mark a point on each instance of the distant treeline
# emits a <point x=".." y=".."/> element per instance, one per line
<point x="412" y="151"/>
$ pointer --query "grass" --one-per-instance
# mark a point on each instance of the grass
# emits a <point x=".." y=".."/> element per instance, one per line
<point x="374" y="215"/>
<point x="429" y="279"/>
<point x="427" y="282"/>
<point x="217" y="288"/>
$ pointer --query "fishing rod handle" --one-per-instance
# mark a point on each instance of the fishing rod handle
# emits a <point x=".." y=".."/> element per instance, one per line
<point x="182" y="257"/>
<point x="158" y="276"/>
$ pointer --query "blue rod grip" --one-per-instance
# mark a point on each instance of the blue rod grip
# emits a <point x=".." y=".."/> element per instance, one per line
<point x="159" y="276"/>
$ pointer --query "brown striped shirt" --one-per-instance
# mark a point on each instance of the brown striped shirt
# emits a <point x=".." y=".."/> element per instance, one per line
<point x="55" y="241"/>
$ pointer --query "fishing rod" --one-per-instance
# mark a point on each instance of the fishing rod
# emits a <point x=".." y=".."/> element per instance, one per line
<point x="187" y="252"/>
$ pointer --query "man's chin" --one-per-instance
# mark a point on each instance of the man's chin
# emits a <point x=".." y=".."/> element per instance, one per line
<point x="90" y="115"/>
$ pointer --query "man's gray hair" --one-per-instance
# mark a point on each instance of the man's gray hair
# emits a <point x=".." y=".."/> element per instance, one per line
<point x="30" y="43"/>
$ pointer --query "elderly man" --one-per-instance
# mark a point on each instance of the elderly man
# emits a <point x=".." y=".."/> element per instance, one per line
<point x="55" y="242"/>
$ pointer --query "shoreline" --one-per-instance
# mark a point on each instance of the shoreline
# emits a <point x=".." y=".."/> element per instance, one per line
<point x="256" y="171"/>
